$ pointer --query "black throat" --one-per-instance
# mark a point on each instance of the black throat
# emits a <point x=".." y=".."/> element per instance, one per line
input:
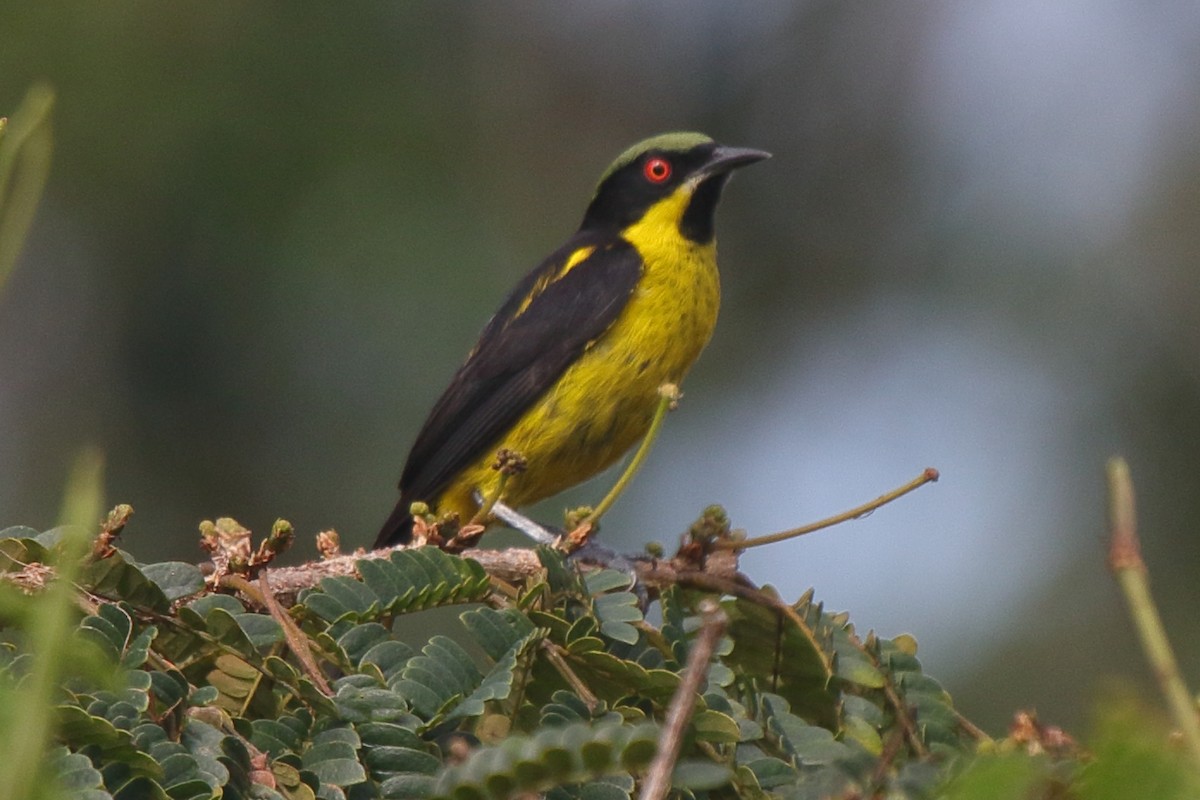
<point x="699" y="219"/>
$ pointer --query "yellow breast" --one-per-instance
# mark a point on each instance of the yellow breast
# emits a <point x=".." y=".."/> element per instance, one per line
<point x="604" y="402"/>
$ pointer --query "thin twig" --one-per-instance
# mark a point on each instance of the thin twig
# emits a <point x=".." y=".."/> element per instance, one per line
<point x="930" y="475"/>
<point x="240" y="583"/>
<point x="658" y="777"/>
<point x="891" y="749"/>
<point x="296" y="639"/>
<point x="555" y="655"/>
<point x="1125" y="560"/>
<point x="904" y="717"/>
<point x="903" y="714"/>
<point x="974" y="731"/>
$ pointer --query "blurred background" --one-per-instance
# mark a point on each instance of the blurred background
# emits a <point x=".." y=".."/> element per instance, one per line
<point x="273" y="230"/>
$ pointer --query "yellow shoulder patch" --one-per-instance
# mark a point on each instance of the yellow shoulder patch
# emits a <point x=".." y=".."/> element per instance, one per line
<point x="572" y="261"/>
<point x="576" y="257"/>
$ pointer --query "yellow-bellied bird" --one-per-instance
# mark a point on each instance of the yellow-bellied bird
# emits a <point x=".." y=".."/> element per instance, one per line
<point x="568" y="370"/>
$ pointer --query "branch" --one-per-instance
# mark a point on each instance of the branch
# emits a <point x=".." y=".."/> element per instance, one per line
<point x="512" y="565"/>
<point x="658" y="777"/>
<point x="930" y="475"/>
<point x="1125" y="560"/>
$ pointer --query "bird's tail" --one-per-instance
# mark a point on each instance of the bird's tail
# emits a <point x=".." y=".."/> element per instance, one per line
<point x="398" y="528"/>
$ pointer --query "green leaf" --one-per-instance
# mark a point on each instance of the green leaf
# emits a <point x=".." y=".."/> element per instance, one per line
<point x="262" y="631"/>
<point x="351" y="594"/>
<point x="443" y="671"/>
<point x="855" y="729"/>
<point x="615" y="612"/>
<point x="387" y="582"/>
<point x="390" y="657"/>
<point x="406" y="787"/>
<point x="115" y="578"/>
<point x="110" y="628"/>
<point x="291" y="782"/>
<point x="335" y="763"/>
<point x="565" y="708"/>
<point x="1006" y="776"/>
<point x="576" y="753"/>
<point x="235" y="680"/>
<point x="138" y="650"/>
<point x="408" y="580"/>
<point x="560" y="574"/>
<point x="325" y="606"/>
<point x="203" y="606"/>
<point x="809" y="744"/>
<point x="764" y="639"/>
<point x="389" y="734"/>
<point x="141" y="788"/>
<point x="612" y="678"/>
<point x="274" y="737"/>
<point x="602" y="791"/>
<point x="203" y="742"/>
<point x="73" y="772"/>
<point x="18" y="547"/>
<point x="1131" y="758"/>
<point x="345" y="735"/>
<point x="497" y="684"/>
<point x="425" y="702"/>
<point x="225" y="626"/>
<point x="175" y="578"/>
<point x="772" y="772"/>
<point x="713" y="726"/>
<point x="78" y="729"/>
<point x="496" y="630"/>
<point x="695" y="775"/>
<point x="605" y="580"/>
<point x="386" y="761"/>
<point x="357" y="641"/>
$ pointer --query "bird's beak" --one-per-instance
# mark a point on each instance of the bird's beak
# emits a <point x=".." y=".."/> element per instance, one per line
<point x="725" y="159"/>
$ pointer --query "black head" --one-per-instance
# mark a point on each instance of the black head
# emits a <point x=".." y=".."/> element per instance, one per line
<point x="687" y="169"/>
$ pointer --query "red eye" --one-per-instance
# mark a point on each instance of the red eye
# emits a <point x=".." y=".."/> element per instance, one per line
<point x="657" y="170"/>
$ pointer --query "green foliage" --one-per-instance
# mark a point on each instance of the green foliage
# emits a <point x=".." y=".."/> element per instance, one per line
<point x="1130" y="758"/>
<point x="40" y="649"/>
<point x="25" y="145"/>
<point x="560" y="688"/>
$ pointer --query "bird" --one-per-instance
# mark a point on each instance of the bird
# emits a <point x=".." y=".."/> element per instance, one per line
<point x="567" y="372"/>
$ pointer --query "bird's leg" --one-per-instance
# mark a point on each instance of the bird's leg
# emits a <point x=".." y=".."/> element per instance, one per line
<point x="668" y="400"/>
<point x="508" y="463"/>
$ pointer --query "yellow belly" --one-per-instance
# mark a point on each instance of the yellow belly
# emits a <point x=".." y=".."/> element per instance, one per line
<point x="604" y="402"/>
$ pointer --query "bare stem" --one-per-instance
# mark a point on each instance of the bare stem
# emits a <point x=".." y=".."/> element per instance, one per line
<point x="658" y="777"/>
<point x="930" y="475"/>
<point x="1125" y="560"/>
<point x="555" y="655"/>
<point x="295" y="637"/>
<point x="668" y="397"/>
<point x="489" y="502"/>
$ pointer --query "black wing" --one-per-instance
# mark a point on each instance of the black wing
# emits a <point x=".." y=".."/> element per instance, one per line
<point x="520" y="354"/>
